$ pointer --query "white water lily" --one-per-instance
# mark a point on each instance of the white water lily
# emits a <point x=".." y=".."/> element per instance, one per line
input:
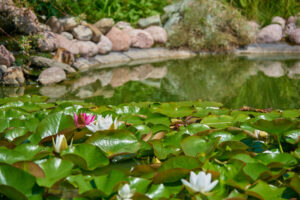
<point x="125" y="193"/>
<point x="200" y="182"/>
<point x="60" y="143"/>
<point x="104" y="123"/>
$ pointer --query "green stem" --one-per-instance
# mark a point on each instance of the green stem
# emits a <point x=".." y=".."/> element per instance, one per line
<point x="280" y="147"/>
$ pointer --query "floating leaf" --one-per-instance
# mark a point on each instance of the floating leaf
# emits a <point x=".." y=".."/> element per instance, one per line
<point x="55" y="169"/>
<point x="215" y="121"/>
<point x="86" y="156"/>
<point x="265" y="191"/>
<point x="10" y="184"/>
<point x="277" y="126"/>
<point x="115" y="142"/>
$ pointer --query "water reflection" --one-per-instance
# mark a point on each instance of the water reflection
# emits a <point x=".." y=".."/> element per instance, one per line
<point x="256" y="81"/>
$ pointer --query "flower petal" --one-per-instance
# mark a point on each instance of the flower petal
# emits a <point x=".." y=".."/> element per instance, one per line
<point x="211" y="186"/>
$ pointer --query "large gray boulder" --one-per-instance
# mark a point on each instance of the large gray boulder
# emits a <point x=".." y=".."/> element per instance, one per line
<point x="52" y="75"/>
<point x="270" y="34"/>
<point x="6" y="57"/>
<point x="13" y="18"/>
<point x="149" y="21"/>
<point x="46" y="62"/>
<point x="295" y="36"/>
<point x="68" y="23"/>
<point x="104" y="25"/>
<point x="82" y="33"/>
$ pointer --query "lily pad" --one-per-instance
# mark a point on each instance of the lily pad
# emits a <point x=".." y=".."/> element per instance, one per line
<point x="55" y="169"/>
<point x="86" y="156"/>
<point x="115" y="142"/>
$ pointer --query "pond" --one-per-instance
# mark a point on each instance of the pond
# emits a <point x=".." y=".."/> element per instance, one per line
<point x="256" y="81"/>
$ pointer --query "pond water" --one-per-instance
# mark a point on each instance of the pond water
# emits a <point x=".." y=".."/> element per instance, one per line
<point x="256" y="81"/>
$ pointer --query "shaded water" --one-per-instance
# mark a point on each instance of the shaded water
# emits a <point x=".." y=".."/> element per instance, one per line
<point x="255" y="81"/>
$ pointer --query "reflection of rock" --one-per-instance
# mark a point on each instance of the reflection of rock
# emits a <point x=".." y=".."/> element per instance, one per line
<point x="120" y="76"/>
<point x="104" y="77"/>
<point x="54" y="91"/>
<point x="294" y="71"/>
<point x="274" y="69"/>
<point x="148" y="71"/>
<point x="12" y="91"/>
<point x="85" y="93"/>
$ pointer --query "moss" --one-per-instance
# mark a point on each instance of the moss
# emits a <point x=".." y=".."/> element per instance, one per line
<point x="210" y="25"/>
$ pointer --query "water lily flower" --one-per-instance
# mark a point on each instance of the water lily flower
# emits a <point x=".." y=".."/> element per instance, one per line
<point x="104" y="123"/>
<point x="125" y="193"/>
<point x="200" y="182"/>
<point x="60" y="143"/>
<point x="83" y="119"/>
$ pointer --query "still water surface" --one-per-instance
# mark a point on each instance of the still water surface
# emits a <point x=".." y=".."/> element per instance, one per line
<point x="255" y="81"/>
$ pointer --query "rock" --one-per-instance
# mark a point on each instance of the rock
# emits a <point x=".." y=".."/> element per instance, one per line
<point x="82" y="33"/>
<point x="96" y="32"/>
<point x="13" y="76"/>
<point x="279" y="20"/>
<point x="119" y="39"/>
<point x="13" y="18"/>
<point x="123" y="25"/>
<point x="3" y="70"/>
<point x="6" y="57"/>
<point x="295" y="36"/>
<point x="69" y="45"/>
<point x="44" y="28"/>
<point x="105" y="45"/>
<point x="52" y="75"/>
<point x="273" y="69"/>
<point x="158" y="34"/>
<point x="47" y="42"/>
<point x="291" y="20"/>
<point x="269" y="34"/>
<point x="68" y="23"/>
<point x="87" y="48"/>
<point x="112" y="58"/>
<point x="140" y="38"/>
<point x="82" y="64"/>
<point x="104" y="25"/>
<point x="55" y="25"/>
<point x="46" y="62"/>
<point x="53" y="91"/>
<point x="289" y="28"/>
<point x="67" y="35"/>
<point x="172" y="23"/>
<point x="149" y="21"/>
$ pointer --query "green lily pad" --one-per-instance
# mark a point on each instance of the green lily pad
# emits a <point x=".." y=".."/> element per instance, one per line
<point x="157" y="118"/>
<point x="86" y="156"/>
<point x="10" y="184"/>
<point x="277" y="126"/>
<point x="293" y="136"/>
<point x="194" y="128"/>
<point x="158" y="192"/>
<point x="215" y="121"/>
<point x="174" y="110"/>
<point x="51" y="125"/>
<point x="264" y="191"/>
<point x="83" y="183"/>
<point x="139" y="184"/>
<point x="115" y="142"/>
<point x="254" y="170"/>
<point x="162" y="151"/>
<point x="184" y="162"/>
<point x="278" y="159"/>
<point x="55" y="169"/>
<point x="107" y="184"/>
<point x="196" y="146"/>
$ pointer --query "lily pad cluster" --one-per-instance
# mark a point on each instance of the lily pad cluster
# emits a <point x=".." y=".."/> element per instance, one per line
<point x="156" y="147"/>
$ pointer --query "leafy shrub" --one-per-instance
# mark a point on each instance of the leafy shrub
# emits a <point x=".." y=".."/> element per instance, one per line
<point x="263" y="11"/>
<point x="212" y="26"/>
<point x="93" y="10"/>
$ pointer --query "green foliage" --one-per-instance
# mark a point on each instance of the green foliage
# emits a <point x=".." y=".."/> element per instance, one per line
<point x="263" y="11"/>
<point x="93" y="10"/>
<point x="246" y="163"/>
<point x="211" y="25"/>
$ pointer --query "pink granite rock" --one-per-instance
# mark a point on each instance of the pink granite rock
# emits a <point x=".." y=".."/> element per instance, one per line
<point x="120" y="39"/>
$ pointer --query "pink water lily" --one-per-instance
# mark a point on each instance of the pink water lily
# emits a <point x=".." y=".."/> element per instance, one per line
<point x="83" y="119"/>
